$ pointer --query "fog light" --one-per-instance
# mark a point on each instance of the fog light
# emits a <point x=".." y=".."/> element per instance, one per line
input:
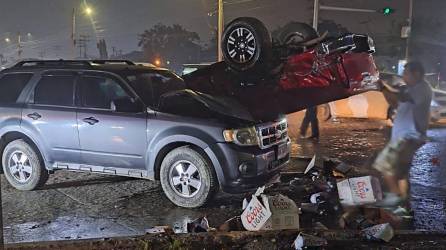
<point x="243" y="168"/>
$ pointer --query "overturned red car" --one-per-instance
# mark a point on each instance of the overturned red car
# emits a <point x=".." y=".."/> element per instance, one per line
<point x="280" y="76"/>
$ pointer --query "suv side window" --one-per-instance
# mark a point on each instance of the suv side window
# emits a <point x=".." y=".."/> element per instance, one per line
<point x="57" y="90"/>
<point x="11" y="85"/>
<point x="100" y="92"/>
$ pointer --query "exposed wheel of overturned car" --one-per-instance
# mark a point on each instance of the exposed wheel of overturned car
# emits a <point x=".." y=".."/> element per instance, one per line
<point x="246" y="44"/>
<point x="188" y="178"/>
<point x="296" y="32"/>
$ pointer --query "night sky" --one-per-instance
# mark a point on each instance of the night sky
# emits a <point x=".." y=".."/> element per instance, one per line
<point x="119" y="21"/>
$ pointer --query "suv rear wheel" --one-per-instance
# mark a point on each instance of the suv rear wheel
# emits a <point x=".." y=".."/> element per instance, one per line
<point x="187" y="178"/>
<point x="22" y="166"/>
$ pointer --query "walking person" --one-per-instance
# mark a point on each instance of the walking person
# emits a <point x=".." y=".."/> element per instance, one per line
<point x="408" y="135"/>
<point x="310" y="117"/>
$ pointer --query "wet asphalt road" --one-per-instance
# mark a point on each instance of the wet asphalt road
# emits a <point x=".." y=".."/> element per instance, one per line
<point x="80" y="205"/>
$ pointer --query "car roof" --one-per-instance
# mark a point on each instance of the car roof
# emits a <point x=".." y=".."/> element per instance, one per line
<point x="115" y="66"/>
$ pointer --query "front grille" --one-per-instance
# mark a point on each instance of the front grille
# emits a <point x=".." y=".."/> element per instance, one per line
<point x="272" y="133"/>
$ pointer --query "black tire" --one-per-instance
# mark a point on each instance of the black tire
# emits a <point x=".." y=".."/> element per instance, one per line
<point x="188" y="157"/>
<point x="247" y="45"/>
<point x="296" y="32"/>
<point x="30" y="172"/>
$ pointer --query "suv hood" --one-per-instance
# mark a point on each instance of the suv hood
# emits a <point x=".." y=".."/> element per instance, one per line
<point x="187" y="102"/>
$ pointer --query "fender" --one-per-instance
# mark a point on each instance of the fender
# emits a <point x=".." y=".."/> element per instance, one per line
<point x="37" y="141"/>
<point x="31" y="132"/>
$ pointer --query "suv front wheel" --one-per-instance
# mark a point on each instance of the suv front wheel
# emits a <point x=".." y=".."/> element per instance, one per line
<point x="187" y="178"/>
<point x="22" y="166"/>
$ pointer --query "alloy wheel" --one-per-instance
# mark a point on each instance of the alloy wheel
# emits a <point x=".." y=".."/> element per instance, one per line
<point x="20" y="167"/>
<point x="185" y="178"/>
<point x="241" y="45"/>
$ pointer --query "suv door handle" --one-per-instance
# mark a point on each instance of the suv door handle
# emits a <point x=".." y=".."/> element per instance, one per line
<point x="90" y="120"/>
<point x="34" y="116"/>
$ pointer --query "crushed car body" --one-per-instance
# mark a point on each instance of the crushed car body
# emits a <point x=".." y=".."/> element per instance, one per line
<point x="296" y="75"/>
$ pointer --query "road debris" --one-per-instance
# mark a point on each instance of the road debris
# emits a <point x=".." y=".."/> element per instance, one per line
<point x="159" y="230"/>
<point x="359" y="191"/>
<point x="310" y="165"/>
<point x="233" y="224"/>
<point x="199" y="225"/>
<point x="379" y="232"/>
<point x="265" y="212"/>
<point x="304" y="241"/>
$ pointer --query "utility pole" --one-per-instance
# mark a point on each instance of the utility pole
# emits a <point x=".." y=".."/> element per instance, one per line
<point x="220" y="29"/>
<point x="410" y="20"/>
<point x="315" y="14"/>
<point x="73" y="33"/>
<point x="19" y="46"/>
<point x="82" y="44"/>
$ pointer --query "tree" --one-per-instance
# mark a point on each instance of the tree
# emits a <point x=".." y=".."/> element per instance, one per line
<point x="170" y="44"/>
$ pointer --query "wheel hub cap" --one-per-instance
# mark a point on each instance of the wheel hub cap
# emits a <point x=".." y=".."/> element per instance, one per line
<point x="20" y="167"/>
<point x="185" y="179"/>
<point x="241" y="45"/>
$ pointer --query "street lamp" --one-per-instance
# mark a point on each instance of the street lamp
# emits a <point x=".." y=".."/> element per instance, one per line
<point x="88" y="11"/>
<point x="7" y="40"/>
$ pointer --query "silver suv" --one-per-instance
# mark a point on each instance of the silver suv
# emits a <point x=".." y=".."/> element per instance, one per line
<point x="118" y="118"/>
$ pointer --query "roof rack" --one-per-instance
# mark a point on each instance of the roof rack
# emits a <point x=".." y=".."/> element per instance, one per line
<point x="31" y="63"/>
<point x="61" y="62"/>
<point x="128" y="62"/>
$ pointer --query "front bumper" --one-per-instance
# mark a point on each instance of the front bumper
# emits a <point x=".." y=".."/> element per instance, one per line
<point x="247" y="168"/>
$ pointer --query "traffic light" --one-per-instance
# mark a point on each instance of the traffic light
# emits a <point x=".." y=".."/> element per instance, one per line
<point x="387" y="11"/>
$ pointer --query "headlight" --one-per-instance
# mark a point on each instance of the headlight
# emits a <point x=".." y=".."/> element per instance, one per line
<point x="242" y="137"/>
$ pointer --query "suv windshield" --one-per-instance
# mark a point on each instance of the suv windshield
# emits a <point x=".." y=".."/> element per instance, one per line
<point x="151" y="85"/>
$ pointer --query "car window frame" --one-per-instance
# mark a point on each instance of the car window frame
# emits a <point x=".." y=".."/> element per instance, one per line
<point x="152" y="106"/>
<point x="74" y="74"/>
<point x="104" y="74"/>
<point x="21" y="98"/>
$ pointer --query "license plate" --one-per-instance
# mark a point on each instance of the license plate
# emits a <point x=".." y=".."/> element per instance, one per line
<point x="282" y="151"/>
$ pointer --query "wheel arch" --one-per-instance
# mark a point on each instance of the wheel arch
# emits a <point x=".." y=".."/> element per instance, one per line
<point x="10" y="136"/>
<point x="163" y="148"/>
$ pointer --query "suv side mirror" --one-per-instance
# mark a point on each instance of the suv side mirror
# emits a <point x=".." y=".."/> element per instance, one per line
<point x="128" y="105"/>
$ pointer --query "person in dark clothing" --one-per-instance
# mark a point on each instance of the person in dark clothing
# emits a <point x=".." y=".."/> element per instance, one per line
<point x="310" y="117"/>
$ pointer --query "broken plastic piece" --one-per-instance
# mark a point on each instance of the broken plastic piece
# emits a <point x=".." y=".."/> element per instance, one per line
<point x="310" y="165"/>
<point x="304" y="241"/>
<point x="343" y="168"/>
<point x="199" y="225"/>
<point x="159" y="230"/>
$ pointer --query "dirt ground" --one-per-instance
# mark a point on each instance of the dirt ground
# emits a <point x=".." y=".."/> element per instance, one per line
<point x="81" y="206"/>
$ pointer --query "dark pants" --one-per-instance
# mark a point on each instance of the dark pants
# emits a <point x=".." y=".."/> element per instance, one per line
<point x="310" y="117"/>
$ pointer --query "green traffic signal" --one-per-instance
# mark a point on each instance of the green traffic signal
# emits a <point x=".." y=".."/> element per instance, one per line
<point x="387" y="11"/>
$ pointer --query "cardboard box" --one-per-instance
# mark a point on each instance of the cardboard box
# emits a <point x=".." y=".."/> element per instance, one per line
<point x="271" y="213"/>
<point x="255" y="215"/>
<point x="359" y="191"/>
<point x="284" y="213"/>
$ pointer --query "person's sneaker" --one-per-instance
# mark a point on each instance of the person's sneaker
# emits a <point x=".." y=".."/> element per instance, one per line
<point x="390" y="200"/>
